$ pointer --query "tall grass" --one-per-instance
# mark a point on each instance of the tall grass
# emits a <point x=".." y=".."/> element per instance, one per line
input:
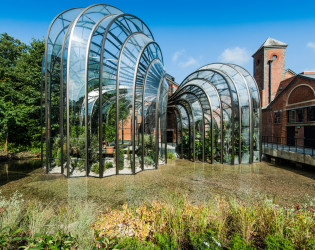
<point x="172" y="223"/>
<point x="74" y="218"/>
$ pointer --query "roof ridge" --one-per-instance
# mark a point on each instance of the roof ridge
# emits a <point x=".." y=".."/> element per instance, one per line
<point x="271" y="42"/>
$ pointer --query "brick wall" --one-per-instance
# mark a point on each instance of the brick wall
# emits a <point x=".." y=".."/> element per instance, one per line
<point x="301" y="97"/>
<point x="261" y="71"/>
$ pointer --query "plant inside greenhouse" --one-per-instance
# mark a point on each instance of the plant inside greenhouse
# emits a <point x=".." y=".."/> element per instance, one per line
<point x="107" y="104"/>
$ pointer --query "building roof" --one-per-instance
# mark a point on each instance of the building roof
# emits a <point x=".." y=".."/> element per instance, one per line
<point x="284" y="85"/>
<point x="271" y="43"/>
<point x="309" y="75"/>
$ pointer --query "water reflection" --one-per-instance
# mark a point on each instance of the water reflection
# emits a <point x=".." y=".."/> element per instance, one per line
<point x="15" y="170"/>
<point x="200" y="181"/>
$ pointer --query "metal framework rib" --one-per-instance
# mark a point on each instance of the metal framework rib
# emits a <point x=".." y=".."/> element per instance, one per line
<point x="98" y="58"/>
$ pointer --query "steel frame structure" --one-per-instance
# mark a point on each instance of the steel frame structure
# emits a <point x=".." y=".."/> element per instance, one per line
<point x="99" y="59"/>
<point x="232" y="96"/>
<point x="103" y="81"/>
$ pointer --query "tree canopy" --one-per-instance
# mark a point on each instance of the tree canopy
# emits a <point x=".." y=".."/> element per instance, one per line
<point x="20" y="93"/>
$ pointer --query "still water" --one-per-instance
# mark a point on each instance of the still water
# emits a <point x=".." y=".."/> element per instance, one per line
<point x="201" y="182"/>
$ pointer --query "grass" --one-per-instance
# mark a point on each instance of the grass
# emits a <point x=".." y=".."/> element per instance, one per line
<point x="173" y="222"/>
<point x="33" y="218"/>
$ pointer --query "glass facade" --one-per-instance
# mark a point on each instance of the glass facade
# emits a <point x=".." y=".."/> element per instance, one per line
<point x="105" y="99"/>
<point x="222" y="106"/>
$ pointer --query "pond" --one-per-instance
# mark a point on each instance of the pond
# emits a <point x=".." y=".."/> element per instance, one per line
<point x="200" y="181"/>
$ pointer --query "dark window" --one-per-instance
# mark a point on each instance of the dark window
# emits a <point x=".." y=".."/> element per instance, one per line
<point x="277" y="117"/>
<point x="291" y="116"/>
<point x="311" y="114"/>
<point x="300" y="115"/>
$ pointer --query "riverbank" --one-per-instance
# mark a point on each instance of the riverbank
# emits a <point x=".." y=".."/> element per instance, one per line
<point x="19" y="156"/>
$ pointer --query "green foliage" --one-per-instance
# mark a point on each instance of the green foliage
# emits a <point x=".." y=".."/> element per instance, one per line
<point x="20" y="85"/>
<point x="95" y="168"/>
<point x="238" y="243"/>
<point x="79" y="165"/>
<point x="9" y="238"/>
<point x="121" y="158"/>
<point x="148" y="160"/>
<point x="165" y="241"/>
<point x="132" y="243"/>
<point x="170" y="155"/>
<point x="55" y="241"/>
<point x="206" y="240"/>
<point x="109" y="164"/>
<point x="277" y="242"/>
<point x="185" y="141"/>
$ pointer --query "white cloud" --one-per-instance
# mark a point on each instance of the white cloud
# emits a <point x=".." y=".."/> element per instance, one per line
<point x="189" y="62"/>
<point x="182" y="60"/>
<point x="178" y="54"/>
<point x="311" y="45"/>
<point x="235" y="55"/>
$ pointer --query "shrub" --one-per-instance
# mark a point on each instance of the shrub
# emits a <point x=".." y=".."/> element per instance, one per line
<point x="95" y="168"/>
<point x="166" y="241"/>
<point x="109" y="164"/>
<point x="206" y="240"/>
<point x="210" y="224"/>
<point x="277" y="242"/>
<point x="238" y="243"/>
<point x="148" y="160"/>
<point x="55" y="241"/>
<point x="170" y="155"/>
<point x="80" y="165"/>
<point x="132" y="243"/>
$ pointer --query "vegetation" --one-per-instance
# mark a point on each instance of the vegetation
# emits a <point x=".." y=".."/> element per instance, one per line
<point x="20" y="86"/>
<point x="170" y="155"/>
<point x="172" y="223"/>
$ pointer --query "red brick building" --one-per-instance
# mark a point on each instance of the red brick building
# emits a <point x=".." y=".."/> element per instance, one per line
<point x="288" y="99"/>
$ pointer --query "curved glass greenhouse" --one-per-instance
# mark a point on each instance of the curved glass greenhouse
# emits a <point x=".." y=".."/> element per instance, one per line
<point x="217" y="110"/>
<point x="105" y="99"/>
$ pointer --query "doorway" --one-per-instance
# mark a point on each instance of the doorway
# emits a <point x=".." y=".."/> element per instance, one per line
<point x="309" y="135"/>
<point x="291" y="136"/>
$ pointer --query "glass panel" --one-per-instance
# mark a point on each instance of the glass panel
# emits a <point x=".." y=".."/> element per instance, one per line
<point x="54" y="44"/>
<point x="152" y="81"/>
<point x="76" y="67"/>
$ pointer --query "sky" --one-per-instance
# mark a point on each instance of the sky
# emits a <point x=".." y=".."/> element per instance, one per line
<point x="192" y="33"/>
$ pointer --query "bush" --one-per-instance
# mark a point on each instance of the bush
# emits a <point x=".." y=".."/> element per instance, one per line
<point x="132" y="243"/>
<point x="80" y="165"/>
<point x="55" y="241"/>
<point x="166" y="241"/>
<point x="109" y="164"/>
<point x="238" y="243"/>
<point x="205" y="240"/>
<point x="148" y="160"/>
<point x="277" y="242"/>
<point x="177" y="222"/>
<point x="170" y="155"/>
<point x="95" y="168"/>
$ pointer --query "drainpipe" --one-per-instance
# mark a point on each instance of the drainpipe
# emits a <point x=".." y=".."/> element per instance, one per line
<point x="270" y="62"/>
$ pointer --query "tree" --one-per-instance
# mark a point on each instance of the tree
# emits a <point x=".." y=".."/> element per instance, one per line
<point x="20" y="82"/>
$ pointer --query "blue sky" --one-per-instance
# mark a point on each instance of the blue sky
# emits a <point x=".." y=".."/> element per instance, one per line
<point x="192" y="33"/>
